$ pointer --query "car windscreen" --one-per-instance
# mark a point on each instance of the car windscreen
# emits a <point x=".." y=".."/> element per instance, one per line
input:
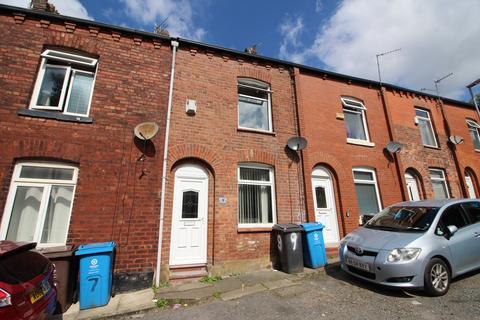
<point x="22" y="267"/>
<point x="398" y="218"/>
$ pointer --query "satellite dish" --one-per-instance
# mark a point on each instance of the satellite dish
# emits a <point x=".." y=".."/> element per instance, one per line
<point x="455" y="139"/>
<point x="394" y="146"/>
<point x="146" y="130"/>
<point x="297" y="143"/>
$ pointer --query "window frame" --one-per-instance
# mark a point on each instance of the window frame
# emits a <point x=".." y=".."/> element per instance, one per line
<point x="443" y="179"/>
<point x="355" y="106"/>
<point x="69" y="66"/>
<point x="373" y="182"/>
<point x="475" y="128"/>
<point x="269" y="102"/>
<point x="430" y="125"/>
<point x="270" y="183"/>
<point x="47" y="185"/>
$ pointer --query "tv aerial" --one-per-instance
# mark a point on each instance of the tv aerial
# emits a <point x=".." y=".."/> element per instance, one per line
<point x="297" y="143"/>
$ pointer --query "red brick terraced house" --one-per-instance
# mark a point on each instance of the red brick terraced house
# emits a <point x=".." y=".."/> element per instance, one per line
<point x="71" y="169"/>
<point x="230" y="175"/>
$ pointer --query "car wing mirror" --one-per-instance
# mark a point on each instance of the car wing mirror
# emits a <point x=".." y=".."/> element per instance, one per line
<point x="452" y="229"/>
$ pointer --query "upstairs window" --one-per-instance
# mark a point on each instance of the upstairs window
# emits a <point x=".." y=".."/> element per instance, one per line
<point x="64" y="83"/>
<point x="39" y="203"/>
<point x="367" y="191"/>
<point x="426" y="129"/>
<point x="255" y="195"/>
<point x="439" y="183"/>
<point x="474" y="130"/>
<point x="355" y="121"/>
<point x="254" y="106"/>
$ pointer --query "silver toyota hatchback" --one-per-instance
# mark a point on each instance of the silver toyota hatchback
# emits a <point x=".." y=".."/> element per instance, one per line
<point x="416" y="244"/>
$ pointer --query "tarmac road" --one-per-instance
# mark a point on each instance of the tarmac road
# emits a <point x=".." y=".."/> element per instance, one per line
<point x="335" y="295"/>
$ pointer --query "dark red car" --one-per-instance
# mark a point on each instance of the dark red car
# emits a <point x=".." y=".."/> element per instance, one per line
<point x="27" y="289"/>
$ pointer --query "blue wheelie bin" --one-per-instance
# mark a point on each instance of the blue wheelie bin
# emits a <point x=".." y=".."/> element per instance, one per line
<point x="314" y="254"/>
<point x="96" y="264"/>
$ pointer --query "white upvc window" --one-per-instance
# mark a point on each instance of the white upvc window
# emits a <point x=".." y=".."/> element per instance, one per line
<point x="366" y="188"/>
<point x="422" y="118"/>
<point x="256" y="196"/>
<point x="39" y="203"/>
<point x="64" y="83"/>
<point x="474" y="130"/>
<point x="355" y="121"/>
<point x="254" y="105"/>
<point x="439" y="183"/>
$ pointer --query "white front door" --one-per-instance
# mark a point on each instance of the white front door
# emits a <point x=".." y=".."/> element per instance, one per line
<point x="470" y="188"/>
<point x="324" y="202"/>
<point x="189" y="217"/>
<point x="412" y="187"/>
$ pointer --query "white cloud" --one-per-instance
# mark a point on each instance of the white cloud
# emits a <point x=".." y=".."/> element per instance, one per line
<point x="179" y="14"/>
<point x="291" y="30"/>
<point x="71" y="8"/>
<point x="436" y="36"/>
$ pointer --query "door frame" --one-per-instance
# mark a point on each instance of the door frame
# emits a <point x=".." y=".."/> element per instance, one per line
<point x="185" y="173"/>
<point x="412" y="177"/>
<point x="321" y="173"/>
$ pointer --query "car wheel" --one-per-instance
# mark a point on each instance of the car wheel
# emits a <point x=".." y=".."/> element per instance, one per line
<point x="436" y="277"/>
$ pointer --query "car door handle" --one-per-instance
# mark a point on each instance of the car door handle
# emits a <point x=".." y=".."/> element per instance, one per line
<point x="477" y="235"/>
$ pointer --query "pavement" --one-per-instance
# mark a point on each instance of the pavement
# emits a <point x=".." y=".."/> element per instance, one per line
<point x="189" y="294"/>
<point x="331" y="294"/>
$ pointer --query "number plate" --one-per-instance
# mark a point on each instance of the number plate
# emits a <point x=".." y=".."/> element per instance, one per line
<point x="36" y="295"/>
<point x="357" y="264"/>
<point x="39" y="292"/>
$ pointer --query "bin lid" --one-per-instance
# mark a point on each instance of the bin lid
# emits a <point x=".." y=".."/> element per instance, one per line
<point x="312" y="226"/>
<point x="95" y="248"/>
<point x="287" y="227"/>
<point x="57" y="251"/>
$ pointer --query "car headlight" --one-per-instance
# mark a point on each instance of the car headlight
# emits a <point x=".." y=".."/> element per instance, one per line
<point x="345" y="239"/>
<point x="404" y="254"/>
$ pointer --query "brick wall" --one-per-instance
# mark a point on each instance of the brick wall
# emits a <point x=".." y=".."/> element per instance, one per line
<point x="113" y="201"/>
<point x="416" y="156"/>
<point x="468" y="158"/>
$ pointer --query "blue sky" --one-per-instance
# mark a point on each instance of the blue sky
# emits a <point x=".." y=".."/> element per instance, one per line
<point x="436" y="37"/>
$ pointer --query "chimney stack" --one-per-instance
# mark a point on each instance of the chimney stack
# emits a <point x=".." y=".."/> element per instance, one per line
<point x="43" y="5"/>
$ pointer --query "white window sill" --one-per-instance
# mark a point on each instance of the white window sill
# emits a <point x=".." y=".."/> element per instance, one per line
<point x="255" y="227"/>
<point x="360" y="142"/>
<point x="272" y="133"/>
<point x="431" y="147"/>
